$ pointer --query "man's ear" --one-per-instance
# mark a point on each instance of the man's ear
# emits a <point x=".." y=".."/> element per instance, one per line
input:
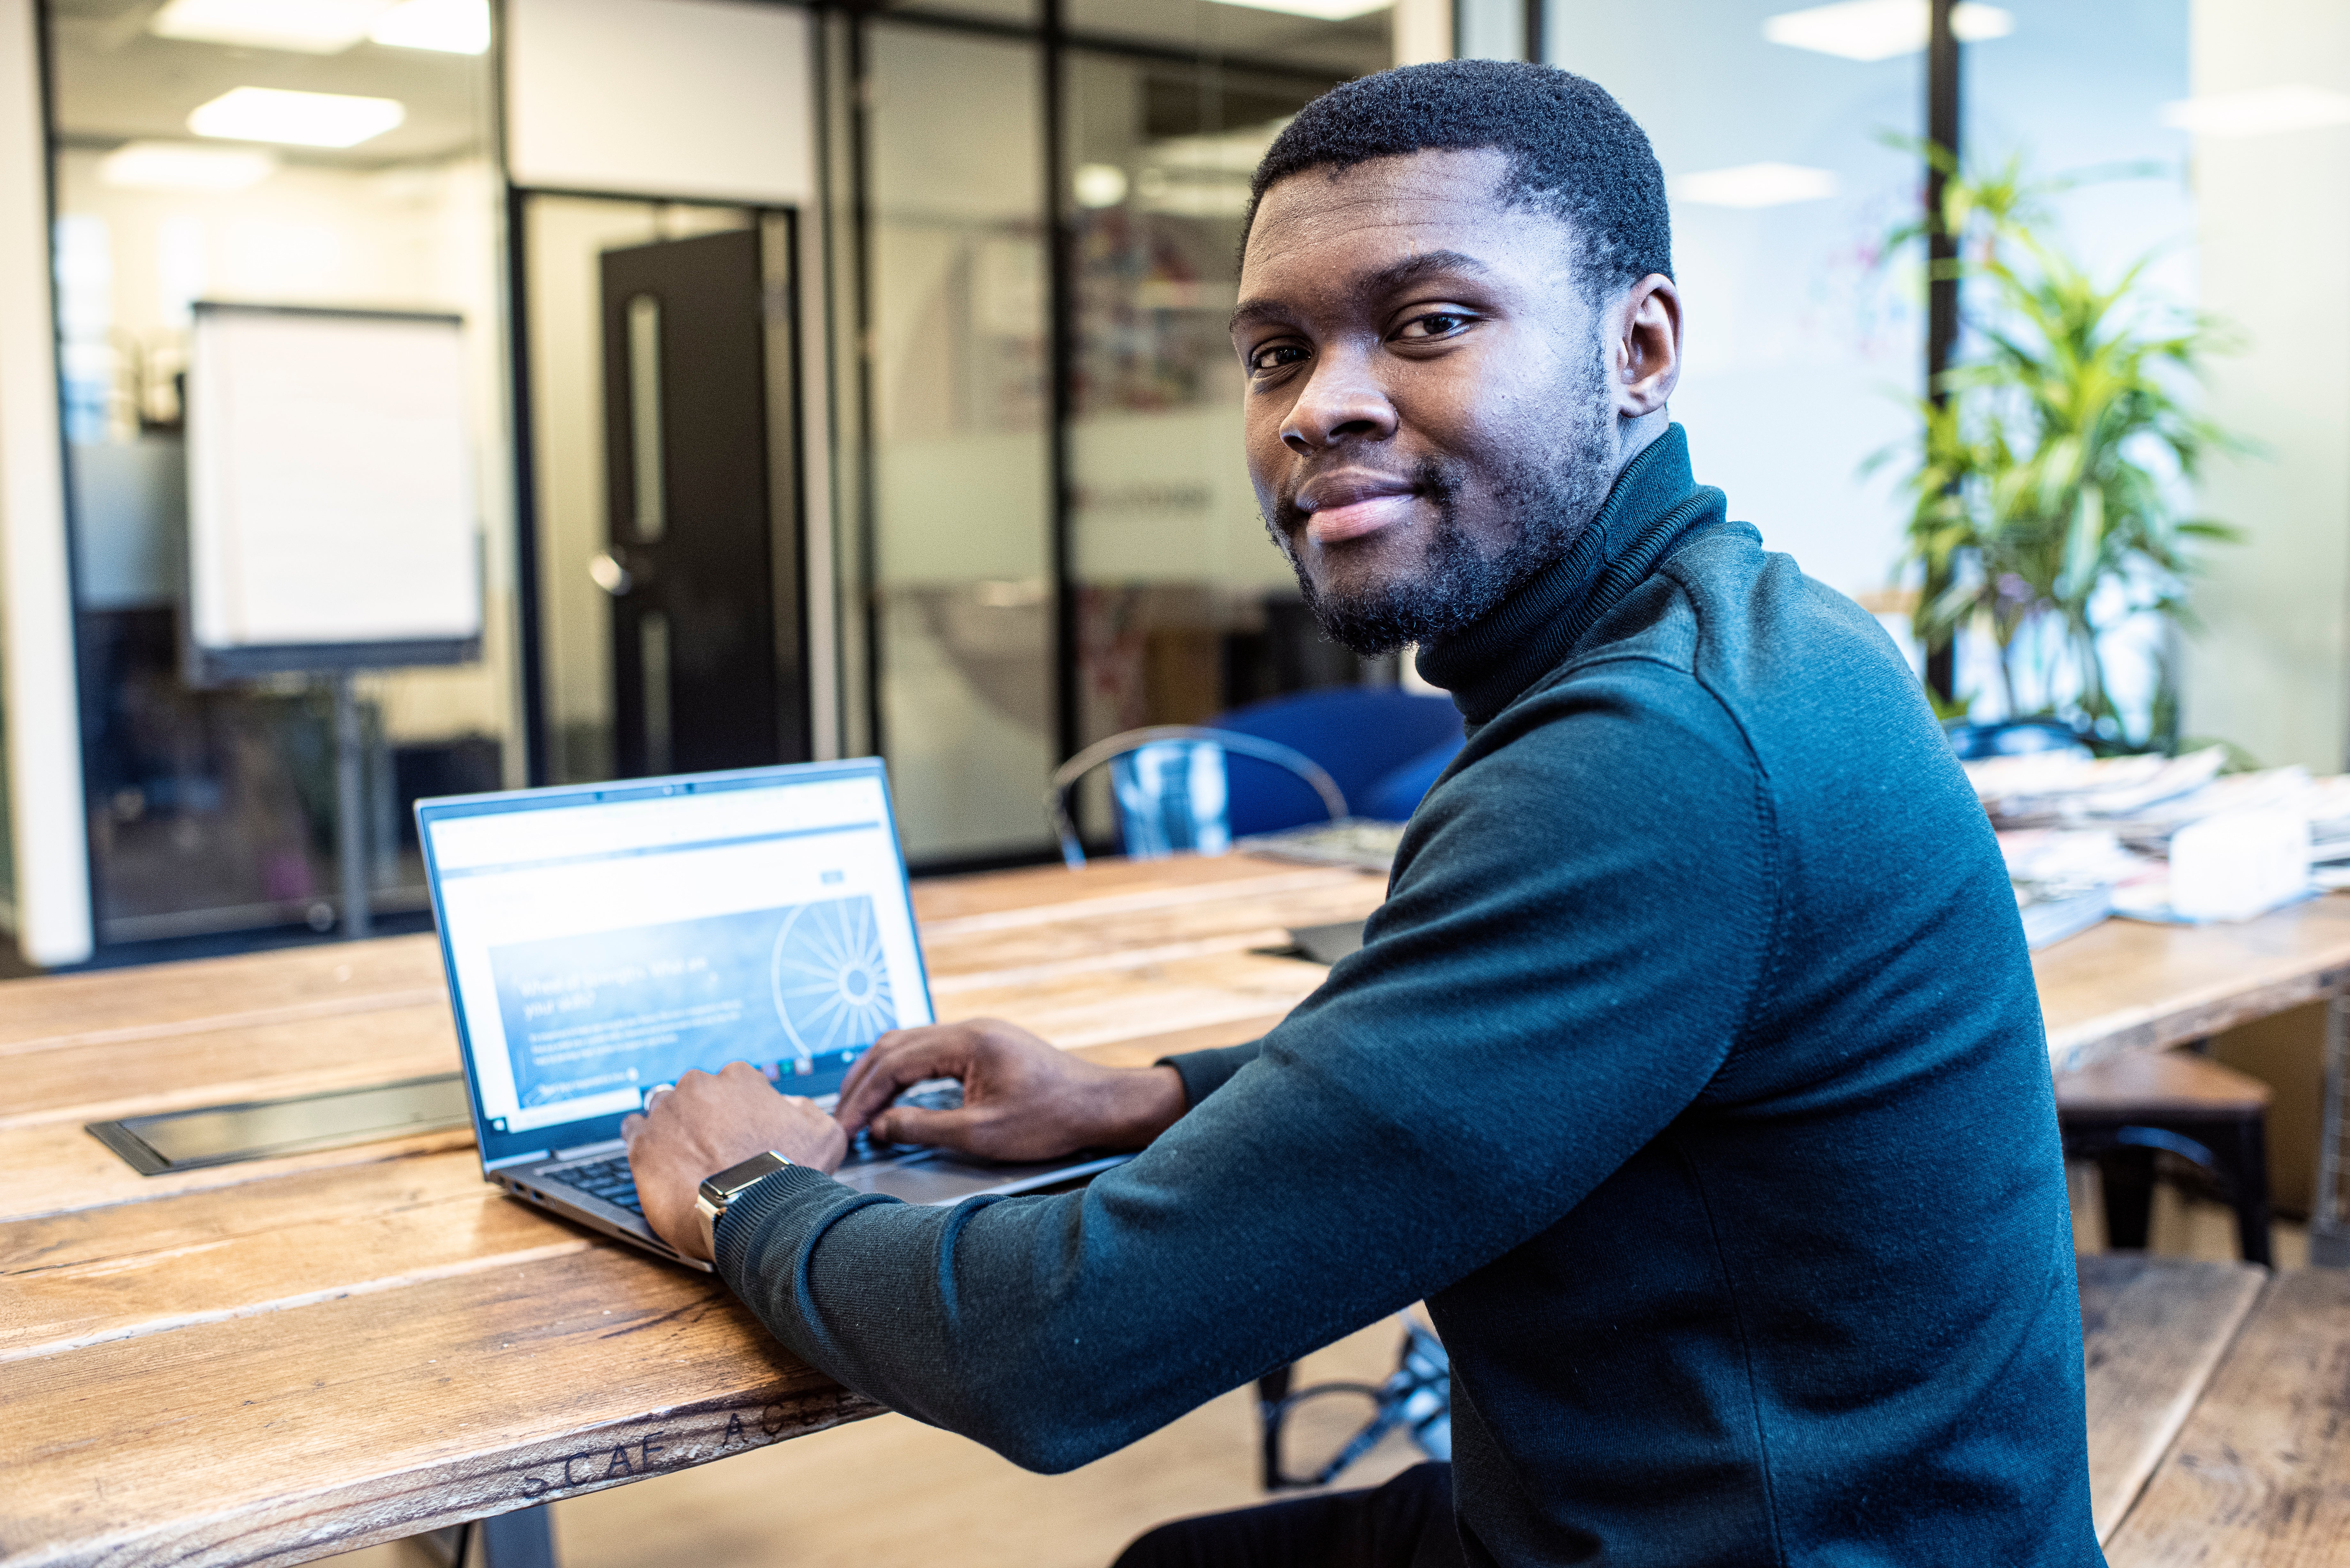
<point x="1644" y="358"/>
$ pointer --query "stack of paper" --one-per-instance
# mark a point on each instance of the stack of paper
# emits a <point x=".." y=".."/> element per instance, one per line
<point x="2065" y="879"/>
<point x="2329" y="832"/>
<point x="2050" y="789"/>
<point x="2247" y="832"/>
<point x="2049" y="919"/>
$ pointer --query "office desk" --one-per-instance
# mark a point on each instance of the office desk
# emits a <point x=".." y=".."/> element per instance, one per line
<point x="269" y="1362"/>
<point x="2127" y="985"/>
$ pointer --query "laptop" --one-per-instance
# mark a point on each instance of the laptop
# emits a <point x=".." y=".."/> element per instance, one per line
<point x="601" y="939"/>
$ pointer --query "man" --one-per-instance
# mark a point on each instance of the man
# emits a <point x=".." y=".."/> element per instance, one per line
<point x="1692" y="1072"/>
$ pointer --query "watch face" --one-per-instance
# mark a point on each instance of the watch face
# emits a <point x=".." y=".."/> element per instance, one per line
<point x="721" y="1188"/>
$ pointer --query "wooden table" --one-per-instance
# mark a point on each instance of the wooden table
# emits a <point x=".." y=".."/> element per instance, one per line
<point x="2127" y="985"/>
<point x="269" y="1362"/>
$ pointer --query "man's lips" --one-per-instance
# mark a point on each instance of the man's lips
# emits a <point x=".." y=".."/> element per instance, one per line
<point x="1339" y="510"/>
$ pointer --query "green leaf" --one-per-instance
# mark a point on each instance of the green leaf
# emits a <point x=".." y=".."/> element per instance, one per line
<point x="2056" y="467"/>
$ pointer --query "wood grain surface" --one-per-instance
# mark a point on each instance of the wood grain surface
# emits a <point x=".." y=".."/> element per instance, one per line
<point x="369" y="1416"/>
<point x="2128" y="985"/>
<point x="257" y="987"/>
<point x="2260" y="1477"/>
<point x="277" y="1360"/>
<point x="127" y="1270"/>
<point x="269" y="1362"/>
<point x="2152" y="1330"/>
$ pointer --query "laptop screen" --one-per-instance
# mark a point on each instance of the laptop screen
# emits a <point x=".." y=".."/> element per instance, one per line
<point x="603" y="940"/>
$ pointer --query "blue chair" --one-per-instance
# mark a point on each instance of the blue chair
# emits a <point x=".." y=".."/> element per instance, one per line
<point x="1374" y="741"/>
<point x="2013" y="738"/>
<point x="1170" y="785"/>
<point x="1395" y="795"/>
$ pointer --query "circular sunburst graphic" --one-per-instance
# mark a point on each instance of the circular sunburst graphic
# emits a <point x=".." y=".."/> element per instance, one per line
<point x="831" y="980"/>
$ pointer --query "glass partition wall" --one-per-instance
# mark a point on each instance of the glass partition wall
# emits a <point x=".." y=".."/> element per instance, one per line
<point x="1062" y="537"/>
<point x="1789" y="138"/>
<point x="958" y="383"/>
<point x="1784" y="148"/>
<point x="1184" y="607"/>
<point x="211" y="808"/>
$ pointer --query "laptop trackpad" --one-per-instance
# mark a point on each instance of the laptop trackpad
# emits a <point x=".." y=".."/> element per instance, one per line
<point x="944" y="1177"/>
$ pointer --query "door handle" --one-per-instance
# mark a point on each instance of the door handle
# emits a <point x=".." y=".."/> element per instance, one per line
<point x="609" y="574"/>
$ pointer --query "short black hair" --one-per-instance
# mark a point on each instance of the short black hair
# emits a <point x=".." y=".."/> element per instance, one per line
<point x="1573" y="151"/>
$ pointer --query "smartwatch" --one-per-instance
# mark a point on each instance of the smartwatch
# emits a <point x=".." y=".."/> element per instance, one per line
<point x="719" y="1190"/>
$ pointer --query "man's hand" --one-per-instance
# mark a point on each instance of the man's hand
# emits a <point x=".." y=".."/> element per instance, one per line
<point x="708" y="1123"/>
<point x="1021" y="1099"/>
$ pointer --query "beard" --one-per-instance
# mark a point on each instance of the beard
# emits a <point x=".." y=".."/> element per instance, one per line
<point x="1545" y="499"/>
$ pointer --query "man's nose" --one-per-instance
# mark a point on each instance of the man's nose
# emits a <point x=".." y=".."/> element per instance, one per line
<point x="1340" y="403"/>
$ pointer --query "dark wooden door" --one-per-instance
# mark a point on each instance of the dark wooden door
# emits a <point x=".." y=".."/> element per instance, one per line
<point x="704" y="564"/>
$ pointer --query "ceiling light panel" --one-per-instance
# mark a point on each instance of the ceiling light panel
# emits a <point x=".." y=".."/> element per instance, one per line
<point x="2259" y="111"/>
<point x="1750" y="185"/>
<point x="1320" y="10"/>
<point x="184" y="166"/>
<point x="1099" y="185"/>
<point x="1881" y="29"/>
<point x="303" y="26"/>
<point x="450" y="26"/>
<point x="295" y="118"/>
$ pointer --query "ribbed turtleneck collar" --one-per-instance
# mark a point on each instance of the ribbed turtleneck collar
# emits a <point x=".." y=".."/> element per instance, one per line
<point x="1655" y="500"/>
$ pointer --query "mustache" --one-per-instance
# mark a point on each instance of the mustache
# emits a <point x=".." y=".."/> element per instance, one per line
<point x="1437" y="481"/>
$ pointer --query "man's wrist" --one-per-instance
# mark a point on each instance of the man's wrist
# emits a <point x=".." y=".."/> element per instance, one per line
<point x="1140" y="1102"/>
<point x="738" y="1230"/>
<point x="717" y="1194"/>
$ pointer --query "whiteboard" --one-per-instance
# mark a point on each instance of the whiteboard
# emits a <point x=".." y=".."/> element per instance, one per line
<point x="330" y="492"/>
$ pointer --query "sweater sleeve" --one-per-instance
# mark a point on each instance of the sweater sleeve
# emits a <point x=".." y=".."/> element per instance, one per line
<point x="1205" y="1072"/>
<point x="1579" y="921"/>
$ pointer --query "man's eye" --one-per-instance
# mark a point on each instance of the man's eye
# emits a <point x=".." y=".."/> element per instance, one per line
<point x="1436" y="324"/>
<point x="1273" y="356"/>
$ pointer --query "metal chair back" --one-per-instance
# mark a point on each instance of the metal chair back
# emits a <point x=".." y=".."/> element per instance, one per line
<point x="1168" y="782"/>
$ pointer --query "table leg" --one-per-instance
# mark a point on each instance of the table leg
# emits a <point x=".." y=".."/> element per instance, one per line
<point x="2251" y="1183"/>
<point x="2125" y="1176"/>
<point x="2329" y="1238"/>
<point x="523" y="1539"/>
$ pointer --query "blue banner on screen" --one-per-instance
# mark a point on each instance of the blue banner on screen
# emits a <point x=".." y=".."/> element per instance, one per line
<point x="800" y="991"/>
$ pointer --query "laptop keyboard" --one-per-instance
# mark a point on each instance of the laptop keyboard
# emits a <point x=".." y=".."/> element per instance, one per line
<point x="932" y="1094"/>
<point x="929" y="1095"/>
<point x="612" y="1180"/>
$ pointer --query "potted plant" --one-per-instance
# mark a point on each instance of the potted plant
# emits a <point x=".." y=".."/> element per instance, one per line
<point x="2047" y="483"/>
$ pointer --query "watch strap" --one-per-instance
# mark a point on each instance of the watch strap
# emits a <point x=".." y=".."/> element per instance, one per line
<point x="718" y="1192"/>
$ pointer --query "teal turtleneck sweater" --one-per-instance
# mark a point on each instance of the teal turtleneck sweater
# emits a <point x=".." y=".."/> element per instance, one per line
<point x="1692" y="1074"/>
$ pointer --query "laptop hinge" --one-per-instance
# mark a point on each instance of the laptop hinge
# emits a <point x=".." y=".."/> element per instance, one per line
<point x="609" y="1146"/>
<point x="515" y="1159"/>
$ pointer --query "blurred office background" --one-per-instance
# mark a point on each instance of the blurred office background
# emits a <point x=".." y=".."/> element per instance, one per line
<point x="852" y="377"/>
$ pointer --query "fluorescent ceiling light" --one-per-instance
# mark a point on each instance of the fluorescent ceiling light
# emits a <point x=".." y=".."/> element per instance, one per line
<point x="451" y="27"/>
<point x="182" y="166"/>
<point x="2259" y="111"/>
<point x="305" y="26"/>
<point x="301" y="118"/>
<point x="1100" y="184"/>
<point x="1754" y="185"/>
<point x="1320" y="10"/>
<point x="1881" y="29"/>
